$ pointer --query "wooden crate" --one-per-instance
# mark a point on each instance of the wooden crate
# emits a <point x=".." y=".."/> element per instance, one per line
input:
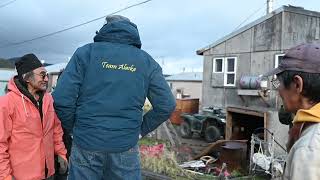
<point x="186" y="105"/>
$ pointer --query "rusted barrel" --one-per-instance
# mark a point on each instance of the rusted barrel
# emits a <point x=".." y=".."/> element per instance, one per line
<point x="250" y="82"/>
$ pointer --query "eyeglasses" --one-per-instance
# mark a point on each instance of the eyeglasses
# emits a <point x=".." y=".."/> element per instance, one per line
<point x="275" y="83"/>
<point x="43" y="75"/>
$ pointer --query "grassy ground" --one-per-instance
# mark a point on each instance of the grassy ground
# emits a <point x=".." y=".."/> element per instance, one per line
<point x="150" y="142"/>
<point x="167" y="165"/>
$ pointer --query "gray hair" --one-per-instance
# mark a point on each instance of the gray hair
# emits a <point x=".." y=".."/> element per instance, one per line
<point x="27" y="76"/>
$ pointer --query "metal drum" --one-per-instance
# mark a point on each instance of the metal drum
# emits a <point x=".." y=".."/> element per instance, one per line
<point x="250" y="82"/>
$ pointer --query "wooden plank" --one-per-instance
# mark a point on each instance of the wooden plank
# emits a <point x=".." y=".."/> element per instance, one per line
<point x="228" y="126"/>
<point x="174" y="132"/>
<point x="215" y="145"/>
<point x="168" y="134"/>
<point x="245" y="111"/>
<point x="265" y="124"/>
<point x="158" y="133"/>
<point x="248" y="92"/>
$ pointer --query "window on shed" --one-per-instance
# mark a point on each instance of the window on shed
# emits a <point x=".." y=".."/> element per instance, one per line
<point x="226" y="66"/>
<point x="218" y="65"/>
<point x="277" y="60"/>
<point x="230" y="71"/>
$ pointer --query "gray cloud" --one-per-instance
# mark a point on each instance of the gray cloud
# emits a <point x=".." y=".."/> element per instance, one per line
<point x="171" y="31"/>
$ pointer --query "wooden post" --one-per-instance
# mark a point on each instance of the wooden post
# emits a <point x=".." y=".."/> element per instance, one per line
<point x="174" y="132"/>
<point x="265" y="124"/>
<point x="229" y="125"/>
<point x="168" y="134"/>
<point x="158" y="133"/>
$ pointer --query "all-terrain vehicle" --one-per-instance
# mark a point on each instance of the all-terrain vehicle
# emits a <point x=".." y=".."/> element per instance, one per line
<point x="210" y="124"/>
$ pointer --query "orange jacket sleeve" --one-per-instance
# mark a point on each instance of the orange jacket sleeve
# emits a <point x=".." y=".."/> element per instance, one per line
<point x="5" y="133"/>
<point x="59" y="147"/>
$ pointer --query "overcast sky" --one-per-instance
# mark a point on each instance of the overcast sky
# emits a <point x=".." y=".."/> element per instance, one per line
<point x="171" y="30"/>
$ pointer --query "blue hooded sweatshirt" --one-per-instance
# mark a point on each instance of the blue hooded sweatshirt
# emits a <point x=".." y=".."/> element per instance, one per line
<point x="100" y="95"/>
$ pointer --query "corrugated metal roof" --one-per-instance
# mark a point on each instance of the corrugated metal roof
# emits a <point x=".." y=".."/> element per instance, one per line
<point x="293" y="9"/>
<point x="6" y="75"/>
<point x="187" y="76"/>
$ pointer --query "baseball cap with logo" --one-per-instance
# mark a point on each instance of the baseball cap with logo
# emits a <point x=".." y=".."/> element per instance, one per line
<point x="303" y="58"/>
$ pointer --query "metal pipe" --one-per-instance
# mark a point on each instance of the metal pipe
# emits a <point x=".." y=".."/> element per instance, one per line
<point x="269" y="6"/>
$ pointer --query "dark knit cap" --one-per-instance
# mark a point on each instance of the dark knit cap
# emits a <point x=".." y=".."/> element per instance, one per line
<point x="27" y="63"/>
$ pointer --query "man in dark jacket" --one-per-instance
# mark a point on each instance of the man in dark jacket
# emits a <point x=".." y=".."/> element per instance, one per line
<point x="99" y="99"/>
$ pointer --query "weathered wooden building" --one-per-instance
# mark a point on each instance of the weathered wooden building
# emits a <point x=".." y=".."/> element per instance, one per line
<point x="254" y="50"/>
<point x="188" y="84"/>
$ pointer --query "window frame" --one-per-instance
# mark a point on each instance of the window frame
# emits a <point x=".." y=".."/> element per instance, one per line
<point x="226" y="72"/>
<point x="276" y="59"/>
<point x="215" y="64"/>
<point x="276" y="62"/>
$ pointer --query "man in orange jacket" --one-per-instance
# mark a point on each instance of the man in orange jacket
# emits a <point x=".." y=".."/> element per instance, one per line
<point x="30" y="131"/>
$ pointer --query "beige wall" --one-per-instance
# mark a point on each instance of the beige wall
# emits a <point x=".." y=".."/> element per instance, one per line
<point x="194" y="89"/>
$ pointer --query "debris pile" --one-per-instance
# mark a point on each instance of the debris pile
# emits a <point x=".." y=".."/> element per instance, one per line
<point x="162" y="159"/>
<point x="263" y="159"/>
<point x="158" y="159"/>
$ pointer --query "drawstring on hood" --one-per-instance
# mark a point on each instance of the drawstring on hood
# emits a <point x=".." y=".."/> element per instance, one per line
<point x="17" y="87"/>
<point x="24" y="105"/>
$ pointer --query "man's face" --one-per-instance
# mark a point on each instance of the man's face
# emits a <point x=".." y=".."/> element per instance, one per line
<point x="291" y="98"/>
<point x="40" y="79"/>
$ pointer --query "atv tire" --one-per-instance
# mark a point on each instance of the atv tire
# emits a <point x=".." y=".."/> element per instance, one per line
<point x="185" y="130"/>
<point x="212" y="134"/>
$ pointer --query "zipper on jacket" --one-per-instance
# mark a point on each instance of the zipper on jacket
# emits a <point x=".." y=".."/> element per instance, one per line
<point x="24" y="93"/>
<point x="40" y="108"/>
<point x="46" y="168"/>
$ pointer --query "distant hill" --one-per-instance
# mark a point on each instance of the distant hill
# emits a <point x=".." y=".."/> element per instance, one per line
<point x="4" y="63"/>
<point x="47" y="64"/>
<point x="9" y="63"/>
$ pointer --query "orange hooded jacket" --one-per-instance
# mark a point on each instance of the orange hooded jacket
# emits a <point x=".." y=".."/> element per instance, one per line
<point x="26" y="142"/>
